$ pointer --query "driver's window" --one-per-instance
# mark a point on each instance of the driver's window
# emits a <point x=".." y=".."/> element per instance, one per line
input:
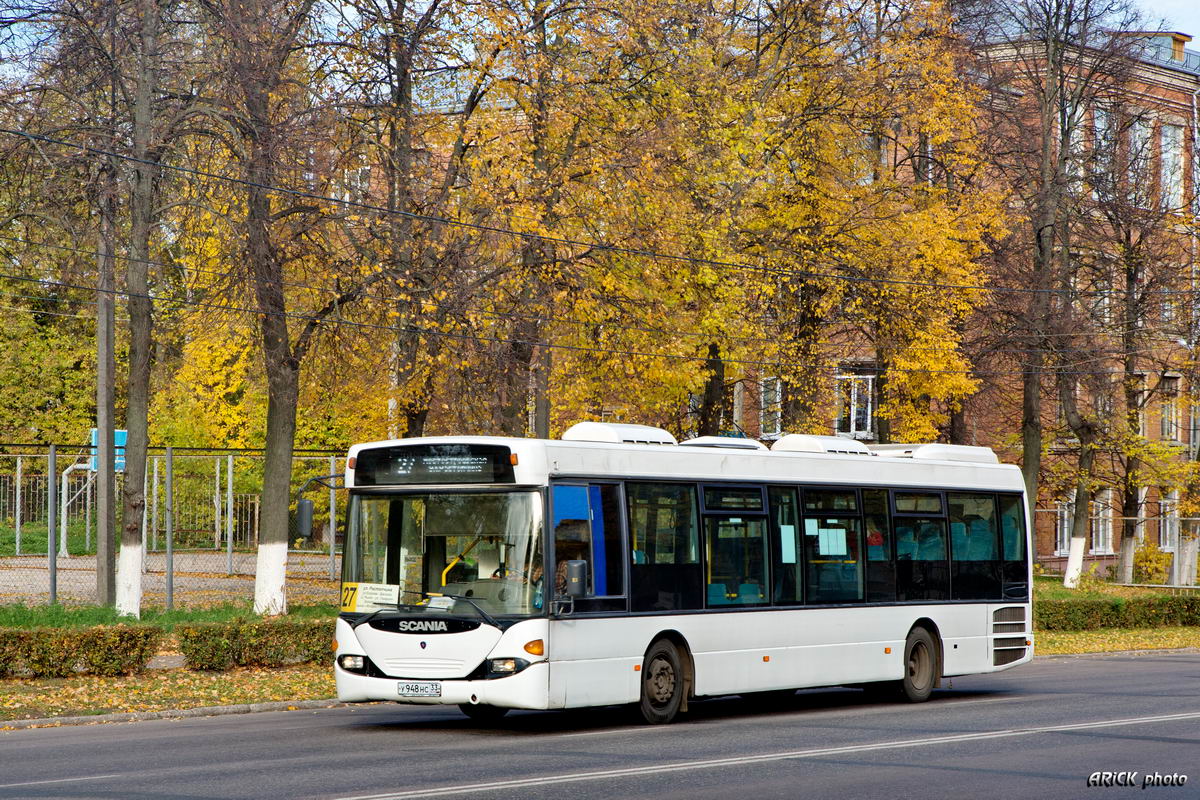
<point x="586" y="525"/>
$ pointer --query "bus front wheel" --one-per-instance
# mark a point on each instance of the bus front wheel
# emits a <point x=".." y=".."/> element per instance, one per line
<point x="662" y="683"/>
<point x="920" y="666"/>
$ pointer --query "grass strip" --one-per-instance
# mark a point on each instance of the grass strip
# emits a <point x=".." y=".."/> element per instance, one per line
<point x="1115" y="639"/>
<point x="161" y="690"/>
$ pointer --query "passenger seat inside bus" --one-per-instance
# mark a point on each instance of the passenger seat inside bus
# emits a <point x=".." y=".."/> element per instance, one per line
<point x="718" y="594"/>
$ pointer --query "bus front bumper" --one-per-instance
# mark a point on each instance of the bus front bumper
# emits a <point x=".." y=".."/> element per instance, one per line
<point x="529" y="688"/>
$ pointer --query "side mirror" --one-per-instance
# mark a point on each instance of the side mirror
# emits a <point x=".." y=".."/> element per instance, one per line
<point x="576" y="578"/>
<point x="304" y="517"/>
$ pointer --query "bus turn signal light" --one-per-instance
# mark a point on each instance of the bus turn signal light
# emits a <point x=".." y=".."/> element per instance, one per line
<point x="334" y="645"/>
<point x="536" y="648"/>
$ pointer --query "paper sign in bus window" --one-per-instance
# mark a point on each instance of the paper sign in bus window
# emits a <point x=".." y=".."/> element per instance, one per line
<point x="787" y="544"/>
<point x="832" y="542"/>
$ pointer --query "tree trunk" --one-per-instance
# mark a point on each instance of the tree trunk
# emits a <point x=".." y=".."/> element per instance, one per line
<point x="141" y="208"/>
<point x="714" y="391"/>
<point x="282" y="368"/>
<point x="283" y="382"/>
<point x="105" y="380"/>
<point x="1080" y="521"/>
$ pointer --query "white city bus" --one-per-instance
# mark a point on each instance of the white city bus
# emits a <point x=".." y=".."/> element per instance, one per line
<point x="617" y="566"/>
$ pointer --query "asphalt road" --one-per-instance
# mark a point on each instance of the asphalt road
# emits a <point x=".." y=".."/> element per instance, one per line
<point x="1037" y="731"/>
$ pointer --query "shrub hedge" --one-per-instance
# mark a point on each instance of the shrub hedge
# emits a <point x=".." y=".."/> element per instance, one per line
<point x="1116" y="612"/>
<point x="63" y="652"/>
<point x="254" y="643"/>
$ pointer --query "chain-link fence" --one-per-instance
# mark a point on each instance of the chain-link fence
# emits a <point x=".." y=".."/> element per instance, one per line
<point x="204" y="552"/>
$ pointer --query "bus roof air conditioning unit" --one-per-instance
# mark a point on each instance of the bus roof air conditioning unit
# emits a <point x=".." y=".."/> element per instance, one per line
<point x="807" y="443"/>
<point x="729" y="442"/>
<point x="617" y="433"/>
<point x="938" y="452"/>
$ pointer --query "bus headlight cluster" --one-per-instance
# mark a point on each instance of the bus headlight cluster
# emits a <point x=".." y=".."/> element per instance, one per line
<point x="499" y="667"/>
<point x="352" y="663"/>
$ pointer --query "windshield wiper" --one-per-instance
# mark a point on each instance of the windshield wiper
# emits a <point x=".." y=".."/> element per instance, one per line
<point x="397" y="604"/>
<point x="486" y="616"/>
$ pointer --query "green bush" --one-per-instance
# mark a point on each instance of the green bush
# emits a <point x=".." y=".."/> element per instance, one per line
<point x="63" y="652"/>
<point x="254" y="643"/>
<point x="1116" y="612"/>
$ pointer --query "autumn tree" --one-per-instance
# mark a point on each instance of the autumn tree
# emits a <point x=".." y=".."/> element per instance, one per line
<point x="1045" y="64"/>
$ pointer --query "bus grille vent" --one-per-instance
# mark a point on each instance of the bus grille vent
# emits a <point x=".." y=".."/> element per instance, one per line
<point x="1009" y="614"/>
<point x="1002" y="657"/>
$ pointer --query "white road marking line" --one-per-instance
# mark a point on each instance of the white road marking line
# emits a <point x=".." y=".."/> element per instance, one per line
<point x="57" y="780"/>
<point x="519" y="783"/>
<point x="639" y="729"/>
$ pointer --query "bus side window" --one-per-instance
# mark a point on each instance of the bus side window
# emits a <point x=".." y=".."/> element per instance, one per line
<point x="1015" y="563"/>
<point x="974" y="553"/>
<point x="572" y="531"/>
<point x="786" y="546"/>
<point x="881" y="569"/>
<point x="587" y="526"/>
<point x="665" y="547"/>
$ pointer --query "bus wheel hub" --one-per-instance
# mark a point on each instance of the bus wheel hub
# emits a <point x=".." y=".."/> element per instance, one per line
<point x="661" y="682"/>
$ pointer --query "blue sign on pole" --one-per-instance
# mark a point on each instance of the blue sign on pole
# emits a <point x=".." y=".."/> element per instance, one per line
<point x="119" y="438"/>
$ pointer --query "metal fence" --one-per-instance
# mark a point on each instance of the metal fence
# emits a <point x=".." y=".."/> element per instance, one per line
<point x="204" y="554"/>
<point x="1172" y="535"/>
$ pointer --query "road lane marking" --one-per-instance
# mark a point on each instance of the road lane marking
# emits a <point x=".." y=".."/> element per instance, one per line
<point x="520" y="783"/>
<point x="58" y="780"/>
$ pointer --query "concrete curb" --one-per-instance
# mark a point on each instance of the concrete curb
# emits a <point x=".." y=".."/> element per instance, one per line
<point x="178" y="713"/>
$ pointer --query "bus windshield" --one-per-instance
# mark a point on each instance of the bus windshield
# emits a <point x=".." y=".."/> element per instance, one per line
<point x="484" y="547"/>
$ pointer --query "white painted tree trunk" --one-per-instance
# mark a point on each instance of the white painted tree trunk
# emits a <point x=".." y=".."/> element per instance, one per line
<point x="1074" y="562"/>
<point x="129" y="581"/>
<point x="270" y="598"/>
<point x="1187" y="551"/>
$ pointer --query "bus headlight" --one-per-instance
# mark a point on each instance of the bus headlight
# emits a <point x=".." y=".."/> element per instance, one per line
<point x="352" y="663"/>
<point x="501" y="667"/>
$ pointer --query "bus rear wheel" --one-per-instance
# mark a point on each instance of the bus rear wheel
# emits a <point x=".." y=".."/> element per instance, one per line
<point x="662" y="683"/>
<point x="481" y="712"/>
<point x="920" y="666"/>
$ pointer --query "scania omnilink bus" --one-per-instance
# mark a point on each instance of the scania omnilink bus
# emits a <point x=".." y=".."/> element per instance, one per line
<point x="618" y="566"/>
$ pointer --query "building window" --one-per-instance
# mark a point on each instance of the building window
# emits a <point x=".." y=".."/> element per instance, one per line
<point x="771" y="408"/>
<point x="1141" y="395"/>
<point x="1104" y="148"/>
<point x="1063" y="512"/>
<point x="1102" y="523"/>
<point x="1168" y="520"/>
<point x="1141" y="149"/>
<point x="856" y="406"/>
<point x="1169" y="409"/>
<point x="1172" y="165"/>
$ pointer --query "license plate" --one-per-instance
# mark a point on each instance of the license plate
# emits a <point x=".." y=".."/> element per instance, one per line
<point x="419" y="688"/>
